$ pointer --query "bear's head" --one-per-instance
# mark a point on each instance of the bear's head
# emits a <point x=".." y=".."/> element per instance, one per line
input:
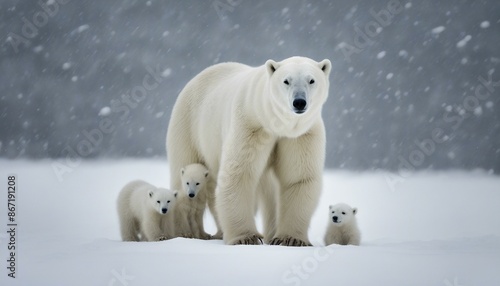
<point x="298" y="88"/>
<point x="341" y="214"/>
<point x="194" y="177"/>
<point x="162" y="200"/>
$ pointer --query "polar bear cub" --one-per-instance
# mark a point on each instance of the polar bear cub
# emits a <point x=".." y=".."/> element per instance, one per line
<point x="146" y="212"/>
<point x="192" y="202"/>
<point x="342" y="228"/>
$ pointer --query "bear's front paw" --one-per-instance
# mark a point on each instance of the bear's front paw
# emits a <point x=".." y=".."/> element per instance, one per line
<point x="187" y="235"/>
<point x="247" y="239"/>
<point x="163" y="237"/>
<point x="286" y="240"/>
<point x="206" y="236"/>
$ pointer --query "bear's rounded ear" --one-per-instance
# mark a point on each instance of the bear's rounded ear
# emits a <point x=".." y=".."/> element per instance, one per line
<point x="206" y="174"/>
<point x="271" y="67"/>
<point x="150" y="194"/>
<point x="354" y="211"/>
<point x="326" y="66"/>
<point x="175" y="194"/>
<point x="330" y="207"/>
<point x="182" y="171"/>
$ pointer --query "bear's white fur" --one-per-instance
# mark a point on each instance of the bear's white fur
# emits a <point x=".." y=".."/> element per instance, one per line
<point x="260" y="133"/>
<point x="342" y="226"/>
<point x="192" y="202"/>
<point x="146" y="212"/>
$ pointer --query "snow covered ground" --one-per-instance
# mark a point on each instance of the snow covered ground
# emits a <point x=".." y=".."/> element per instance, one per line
<point x="435" y="228"/>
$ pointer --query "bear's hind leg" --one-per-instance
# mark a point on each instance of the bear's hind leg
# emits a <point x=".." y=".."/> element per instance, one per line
<point x="129" y="229"/>
<point x="211" y="184"/>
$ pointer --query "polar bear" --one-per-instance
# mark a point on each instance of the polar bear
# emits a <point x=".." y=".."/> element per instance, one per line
<point x="145" y="212"/>
<point x="191" y="203"/>
<point x="260" y="133"/>
<point x="342" y="227"/>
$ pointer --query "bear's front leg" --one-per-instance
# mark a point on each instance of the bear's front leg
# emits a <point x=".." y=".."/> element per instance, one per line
<point x="152" y="229"/>
<point x="168" y="225"/>
<point x="267" y="197"/>
<point x="244" y="157"/>
<point x="199" y="227"/>
<point x="183" y="224"/>
<point x="299" y="167"/>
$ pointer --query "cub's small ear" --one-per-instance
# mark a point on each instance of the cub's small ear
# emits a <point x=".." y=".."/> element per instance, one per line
<point x="175" y="194"/>
<point x="271" y="66"/>
<point x="182" y="171"/>
<point x="206" y="174"/>
<point x="150" y="194"/>
<point x="326" y="66"/>
<point x="354" y="211"/>
<point x="330" y="207"/>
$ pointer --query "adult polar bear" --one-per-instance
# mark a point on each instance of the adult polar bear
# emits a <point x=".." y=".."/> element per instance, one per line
<point x="260" y="133"/>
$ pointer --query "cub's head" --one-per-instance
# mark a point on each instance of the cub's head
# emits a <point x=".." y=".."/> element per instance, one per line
<point x="194" y="178"/>
<point x="162" y="200"/>
<point x="341" y="214"/>
<point x="299" y="85"/>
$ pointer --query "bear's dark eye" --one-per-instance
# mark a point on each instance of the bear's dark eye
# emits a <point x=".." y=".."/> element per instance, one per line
<point x="311" y="81"/>
<point x="197" y="184"/>
<point x="343" y="213"/>
<point x="286" y="82"/>
<point x="168" y="202"/>
<point x="158" y="201"/>
<point x="333" y="212"/>
<point x="187" y="183"/>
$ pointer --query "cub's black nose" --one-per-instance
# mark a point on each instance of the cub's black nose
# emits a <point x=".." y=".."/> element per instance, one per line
<point x="164" y="210"/>
<point x="335" y="218"/>
<point x="191" y="195"/>
<point x="299" y="104"/>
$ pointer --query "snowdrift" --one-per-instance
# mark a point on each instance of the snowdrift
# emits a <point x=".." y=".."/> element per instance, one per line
<point x="434" y="228"/>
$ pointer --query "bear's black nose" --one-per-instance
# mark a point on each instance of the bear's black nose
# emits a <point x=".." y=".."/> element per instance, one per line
<point x="335" y="218"/>
<point x="164" y="210"/>
<point x="191" y="195"/>
<point x="299" y="104"/>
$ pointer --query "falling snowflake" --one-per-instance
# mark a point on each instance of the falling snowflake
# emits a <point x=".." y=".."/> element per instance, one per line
<point x="105" y="111"/>
<point x="166" y="73"/>
<point x="464" y="41"/>
<point x="485" y="24"/>
<point x="438" y="30"/>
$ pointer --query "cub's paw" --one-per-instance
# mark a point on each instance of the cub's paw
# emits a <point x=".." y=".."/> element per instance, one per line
<point x="218" y="235"/>
<point x="163" y="237"/>
<point x="247" y="239"/>
<point x="286" y="240"/>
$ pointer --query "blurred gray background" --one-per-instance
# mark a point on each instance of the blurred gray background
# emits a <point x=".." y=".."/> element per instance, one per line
<point x="414" y="84"/>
